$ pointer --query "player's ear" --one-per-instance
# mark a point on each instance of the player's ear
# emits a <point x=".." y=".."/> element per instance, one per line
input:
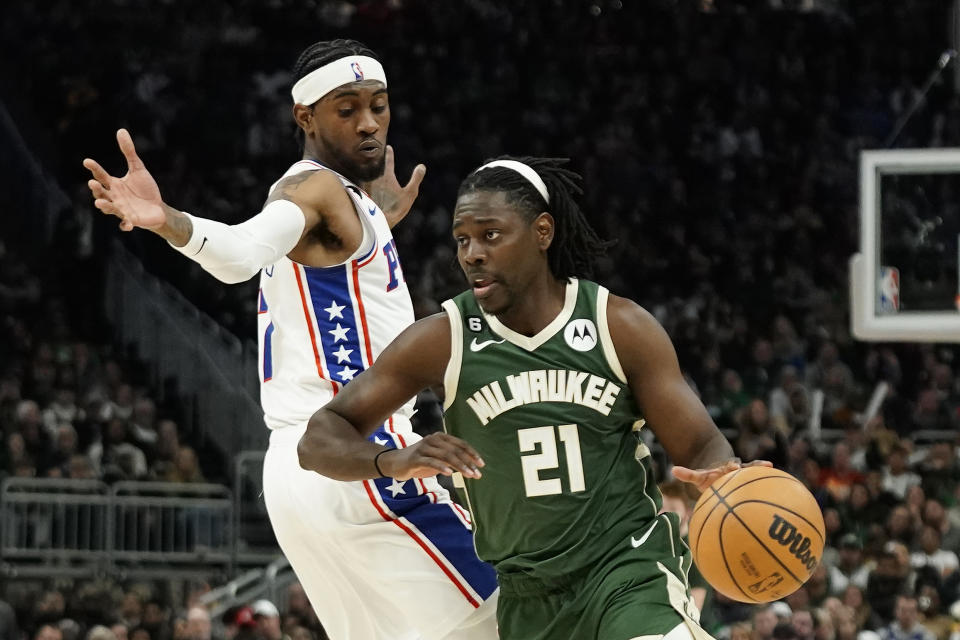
<point x="302" y="115"/>
<point x="544" y="227"/>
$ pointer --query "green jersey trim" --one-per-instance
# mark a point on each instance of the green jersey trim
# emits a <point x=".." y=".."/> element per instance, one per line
<point x="606" y="340"/>
<point x="558" y="323"/>
<point x="451" y="375"/>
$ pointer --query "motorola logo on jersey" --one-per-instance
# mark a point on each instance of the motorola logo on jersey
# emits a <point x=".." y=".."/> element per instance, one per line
<point x="581" y="334"/>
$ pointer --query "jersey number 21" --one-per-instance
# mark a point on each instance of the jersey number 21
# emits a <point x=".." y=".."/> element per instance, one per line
<point x="533" y="464"/>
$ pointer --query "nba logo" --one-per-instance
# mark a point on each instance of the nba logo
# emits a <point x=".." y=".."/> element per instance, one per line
<point x="357" y="71"/>
<point x="888" y="290"/>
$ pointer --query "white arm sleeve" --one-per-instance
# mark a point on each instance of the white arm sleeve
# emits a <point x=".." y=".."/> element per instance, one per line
<point x="235" y="253"/>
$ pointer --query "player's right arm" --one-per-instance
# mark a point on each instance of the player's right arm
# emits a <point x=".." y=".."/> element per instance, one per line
<point x="698" y="449"/>
<point x="335" y="443"/>
<point x="234" y="253"/>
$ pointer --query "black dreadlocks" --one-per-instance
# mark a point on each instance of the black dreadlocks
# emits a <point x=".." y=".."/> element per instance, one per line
<point x="575" y="244"/>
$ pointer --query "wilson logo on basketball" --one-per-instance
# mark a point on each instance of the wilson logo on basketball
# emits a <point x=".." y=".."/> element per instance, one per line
<point x="786" y="534"/>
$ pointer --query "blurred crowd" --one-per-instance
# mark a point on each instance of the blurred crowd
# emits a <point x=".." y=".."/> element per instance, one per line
<point x="104" y="610"/>
<point x="71" y="404"/>
<point x="718" y="141"/>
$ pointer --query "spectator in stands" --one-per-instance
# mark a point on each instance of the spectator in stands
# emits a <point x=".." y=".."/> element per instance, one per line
<point x="763" y="622"/>
<point x="186" y="468"/>
<point x="733" y="398"/>
<point x="115" y="456"/>
<point x="851" y="567"/>
<point x="758" y="378"/>
<point x="167" y="447"/>
<point x="267" y="617"/>
<point x="156" y="620"/>
<point x="897" y="478"/>
<point x="64" y="447"/>
<point x="198" y="624"/>
<point x="803" y="624"/>
<point x="855" y="598"/>
<point x="840" y="476"/>
<point x="62" y="409"/>
<point x="940" y="473"/>
<point x="48" y="632"/>
<point x="931" y="412"/>
<point x="142" y="424"/>
<point x="890" y="578"/>
<point x="823" y="625"/>
<point x="788" y="402"/>
<point x="914" y="502"/>
<point x="931" y="554"/>
<point x="906" y="624"/>
<point x="845" y="623"/>
<point x="818" y="585"/>
<point x="933" y="617"/>
<point x="828" y="357"/>
<point x="100" y="632"/>
<point x="935" y="515"/>
<point x="120" y="630"/>
<point x="70" y="629"/>
<point x="50" y="607"/>
<point x="740" y="631"/>
<point x="758" y="438"/>
<point x="131" y="609"/>
<point x="79" y="467"/>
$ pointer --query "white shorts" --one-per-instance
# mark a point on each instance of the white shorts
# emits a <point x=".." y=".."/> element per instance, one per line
<point x="378" y="559"/>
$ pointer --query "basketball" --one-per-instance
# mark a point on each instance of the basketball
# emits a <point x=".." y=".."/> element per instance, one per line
<point x="756" y="534"/>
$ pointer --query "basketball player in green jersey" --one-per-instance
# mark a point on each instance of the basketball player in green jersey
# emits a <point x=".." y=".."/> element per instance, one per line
<point x="547" y="379"/>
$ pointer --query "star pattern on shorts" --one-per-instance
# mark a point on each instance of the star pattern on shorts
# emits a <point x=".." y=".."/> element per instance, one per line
<point x="347" y="373"/>
<point x="340" y="333"/>
<point x="335" y="310"/>
<point x="397" y="488"/>
<point x="379" y="441"/>
<point x="343" y="355"/>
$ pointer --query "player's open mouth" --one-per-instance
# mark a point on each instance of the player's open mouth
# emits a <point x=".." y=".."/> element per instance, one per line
<point x="370" y="148"/>
<point x="482" y="286"/>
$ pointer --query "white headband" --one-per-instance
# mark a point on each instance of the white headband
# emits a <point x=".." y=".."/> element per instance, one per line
<point x="322" y="81"/>
<point x="523" y="169"/>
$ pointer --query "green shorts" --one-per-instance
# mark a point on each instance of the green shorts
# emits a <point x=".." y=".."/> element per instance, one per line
<point x="632" y="592"/>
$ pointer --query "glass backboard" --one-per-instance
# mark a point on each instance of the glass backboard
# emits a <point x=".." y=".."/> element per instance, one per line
<point x="906" y="279"/>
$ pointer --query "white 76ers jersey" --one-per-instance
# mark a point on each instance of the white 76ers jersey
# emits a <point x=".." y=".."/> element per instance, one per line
<point x="319" y="327"/>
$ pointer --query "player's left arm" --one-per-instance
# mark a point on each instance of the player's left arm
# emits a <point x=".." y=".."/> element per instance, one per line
<point x="670" y="407"/>
<point x="394" y="200"/>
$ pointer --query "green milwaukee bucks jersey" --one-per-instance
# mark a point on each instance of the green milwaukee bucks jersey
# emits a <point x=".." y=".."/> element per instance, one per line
<point x="555" y="421"/>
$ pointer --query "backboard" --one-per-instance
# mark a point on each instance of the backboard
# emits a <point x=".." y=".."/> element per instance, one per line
<point x="905" y="281"/>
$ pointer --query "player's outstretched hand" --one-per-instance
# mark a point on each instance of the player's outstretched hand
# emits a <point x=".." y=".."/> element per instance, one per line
<point x="395" y="201"/>
<point x="436" y="453"/>
<point x="703" y="478"/>
<point x="134" y="198"/>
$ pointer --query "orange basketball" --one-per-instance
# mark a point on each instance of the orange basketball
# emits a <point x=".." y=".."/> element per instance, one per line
<point x="756" y="534"/>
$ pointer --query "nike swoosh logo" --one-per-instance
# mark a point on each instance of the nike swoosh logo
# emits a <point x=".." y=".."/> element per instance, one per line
<point x="479" y="346"/>
<point x="202" y="245"/>
<point x="636" y="543"/>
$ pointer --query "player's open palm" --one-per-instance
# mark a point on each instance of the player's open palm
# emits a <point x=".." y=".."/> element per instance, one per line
<point x="436" y="453"/>
<point x="703" y="478"/>
<point x="392" y="198"/>
<point x="134" y="198"/>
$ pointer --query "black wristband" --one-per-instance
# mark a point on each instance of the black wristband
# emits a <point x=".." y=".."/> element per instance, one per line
<point x="376" y="462"/>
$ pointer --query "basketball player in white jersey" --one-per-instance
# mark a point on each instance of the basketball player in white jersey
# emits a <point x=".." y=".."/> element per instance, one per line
<point x="379" y="559"/>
